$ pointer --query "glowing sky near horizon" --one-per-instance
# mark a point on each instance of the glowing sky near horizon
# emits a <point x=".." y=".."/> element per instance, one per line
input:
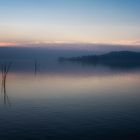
<point x="69" y="21"/>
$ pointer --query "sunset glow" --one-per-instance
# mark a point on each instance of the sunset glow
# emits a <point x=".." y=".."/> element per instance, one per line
<point x="7" y="44"/>
<point x="59" y="21"/>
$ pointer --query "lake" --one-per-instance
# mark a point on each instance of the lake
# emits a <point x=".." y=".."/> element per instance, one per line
<point x="43" y="100"/>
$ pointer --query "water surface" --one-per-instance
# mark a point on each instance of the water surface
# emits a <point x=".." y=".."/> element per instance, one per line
<point x="65" y="101"/>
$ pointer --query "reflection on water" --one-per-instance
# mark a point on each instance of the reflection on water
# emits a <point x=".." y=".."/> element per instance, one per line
<point x="69" y="101"/>
<point x="36" y="67"/>
<point x="5" y="67"/>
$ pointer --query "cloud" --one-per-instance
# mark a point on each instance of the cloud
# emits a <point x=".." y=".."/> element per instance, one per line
<point x="3" y="44"/>
<point x="129" y="42"/>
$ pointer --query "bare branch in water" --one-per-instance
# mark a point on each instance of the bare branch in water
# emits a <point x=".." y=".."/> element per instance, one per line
<point x="5" y="67"/>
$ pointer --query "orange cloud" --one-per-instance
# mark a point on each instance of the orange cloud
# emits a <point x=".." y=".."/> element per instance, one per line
<point x="7" y="44"/>
<point x="129" y="42"/>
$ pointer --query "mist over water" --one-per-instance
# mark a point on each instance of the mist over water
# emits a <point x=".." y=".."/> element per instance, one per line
<point x="42" y="98"/>
<point x="51" y="52"/>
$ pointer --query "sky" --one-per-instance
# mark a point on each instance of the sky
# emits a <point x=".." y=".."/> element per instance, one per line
<point x="24" y="22"/>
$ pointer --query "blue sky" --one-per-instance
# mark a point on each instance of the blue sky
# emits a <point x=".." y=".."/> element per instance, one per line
<point x="68" y="21"/>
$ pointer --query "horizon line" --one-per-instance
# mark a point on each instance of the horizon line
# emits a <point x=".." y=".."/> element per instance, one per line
<point x="37" y="44"/>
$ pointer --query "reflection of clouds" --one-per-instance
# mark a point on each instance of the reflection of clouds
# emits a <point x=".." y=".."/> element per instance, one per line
<point x="46" y="85"/>
<point x="71" y="70"/>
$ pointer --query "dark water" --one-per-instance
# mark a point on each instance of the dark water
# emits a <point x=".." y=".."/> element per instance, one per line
<point x="64" y="101"/>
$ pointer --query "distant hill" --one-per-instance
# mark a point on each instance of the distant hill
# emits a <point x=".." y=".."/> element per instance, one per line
<point x="120" y="58"/>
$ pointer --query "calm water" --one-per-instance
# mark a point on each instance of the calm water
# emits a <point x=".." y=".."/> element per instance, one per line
<point x="61" y="101"/>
